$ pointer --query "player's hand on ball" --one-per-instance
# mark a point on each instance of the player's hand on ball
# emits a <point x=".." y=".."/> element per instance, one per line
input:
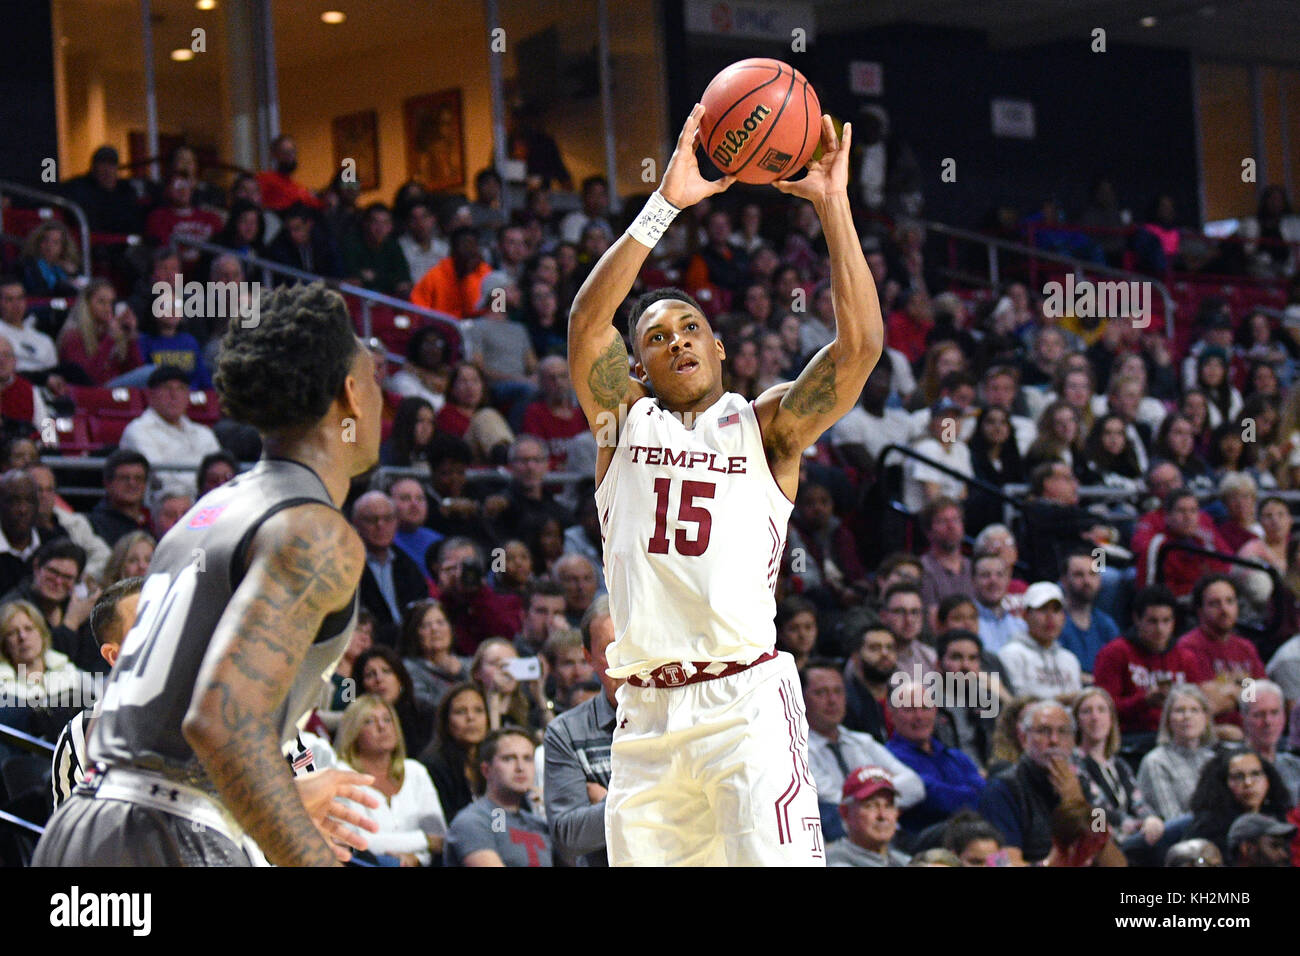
<point x="683" y="185"/>
<point x="829" y="175"/>
<point x="323" y="792"/>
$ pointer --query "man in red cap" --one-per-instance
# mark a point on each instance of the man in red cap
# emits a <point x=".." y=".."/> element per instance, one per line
<point x="869" y="807"/>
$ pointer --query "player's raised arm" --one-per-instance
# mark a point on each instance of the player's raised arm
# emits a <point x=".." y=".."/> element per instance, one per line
<point x="597" y="355"/>
<point x="795" y="415"/>
<point x="304" y="563"/>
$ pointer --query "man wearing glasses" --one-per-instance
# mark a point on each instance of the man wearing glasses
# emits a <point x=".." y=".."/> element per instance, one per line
<point x="392" y="580"/>
<point x="904" y="615"/>
<point x="1020" y="800"/>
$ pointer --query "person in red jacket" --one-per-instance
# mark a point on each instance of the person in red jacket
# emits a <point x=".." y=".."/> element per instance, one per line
<point x="1138" y="669"/>
<point x="279" y="190"/>
<point x="1219" y="660"/>
<point x="1181" y="568"/>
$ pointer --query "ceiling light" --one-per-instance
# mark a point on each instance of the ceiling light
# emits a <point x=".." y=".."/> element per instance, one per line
<point x="183" y="54"/>
<point x="1148" y="21"/>
<point x="206" y="5"/>
<point x="333" y="17"/>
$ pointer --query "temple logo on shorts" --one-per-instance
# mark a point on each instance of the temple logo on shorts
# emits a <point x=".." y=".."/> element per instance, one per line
<point x="673" y="675"/>
<point x="77" y="909"/>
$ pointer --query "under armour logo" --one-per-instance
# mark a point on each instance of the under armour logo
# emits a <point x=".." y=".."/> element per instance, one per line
<point x="158" y="790"/>
<point x="622" y="723"/>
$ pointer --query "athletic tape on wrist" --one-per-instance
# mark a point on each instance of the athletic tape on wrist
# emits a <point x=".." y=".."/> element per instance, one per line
<point x="654" y="220"/>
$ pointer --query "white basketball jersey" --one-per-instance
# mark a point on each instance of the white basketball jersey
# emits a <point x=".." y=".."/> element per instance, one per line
<point x="694" y="527"/>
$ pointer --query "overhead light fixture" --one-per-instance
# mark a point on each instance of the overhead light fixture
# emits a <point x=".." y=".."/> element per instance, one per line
<point x="183" y="54"/>
<point x="1148" y="21"/>
<point x="206" y="5"/>
<point x="333" y="17"/>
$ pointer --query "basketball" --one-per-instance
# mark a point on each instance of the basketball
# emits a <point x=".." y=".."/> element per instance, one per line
<point x="762" y="120"/>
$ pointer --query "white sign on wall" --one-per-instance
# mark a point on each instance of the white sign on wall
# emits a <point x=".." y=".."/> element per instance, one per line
<point x="1014" y="119"/>
<point x="750" y="18"/>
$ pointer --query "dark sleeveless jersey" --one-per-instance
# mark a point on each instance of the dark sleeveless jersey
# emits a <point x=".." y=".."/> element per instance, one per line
<point x="194" y="572"/>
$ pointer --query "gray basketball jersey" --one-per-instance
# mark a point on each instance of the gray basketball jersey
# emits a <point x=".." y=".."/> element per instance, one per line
<point x="194" y="572"/>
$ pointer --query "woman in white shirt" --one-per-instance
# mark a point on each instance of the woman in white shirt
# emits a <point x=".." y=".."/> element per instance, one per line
<point x="30" y="670"/>
<point x="411" y="822"/>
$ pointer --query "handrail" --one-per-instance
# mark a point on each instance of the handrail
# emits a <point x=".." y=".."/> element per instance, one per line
<point x="992" y="244"/>
<point x="7" y="186"/>
<point x="26" y="741"/>
<point x="979" y="483"/>
<point x="368" y="297"/>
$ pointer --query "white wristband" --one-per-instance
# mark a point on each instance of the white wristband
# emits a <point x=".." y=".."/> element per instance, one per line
<point x="654" y="220"/>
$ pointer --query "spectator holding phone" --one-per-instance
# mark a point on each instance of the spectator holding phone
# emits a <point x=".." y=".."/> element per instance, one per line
<point x="503" y="674"/>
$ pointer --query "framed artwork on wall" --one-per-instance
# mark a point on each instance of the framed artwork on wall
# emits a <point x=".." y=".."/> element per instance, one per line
<point x="435" y="140"/>
<point x="356" y="137"/>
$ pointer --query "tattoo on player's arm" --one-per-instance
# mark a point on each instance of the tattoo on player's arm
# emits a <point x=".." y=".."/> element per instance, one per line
<point x="608" y="376"/>
<point x="307" y="579"/>
<point x="813" y="393"/>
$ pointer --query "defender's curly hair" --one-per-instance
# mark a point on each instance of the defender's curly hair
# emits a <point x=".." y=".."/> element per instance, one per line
<point x="284" y="372"/>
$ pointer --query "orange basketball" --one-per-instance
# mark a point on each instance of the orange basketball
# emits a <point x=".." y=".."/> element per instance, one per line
<point x="762" y="120"/>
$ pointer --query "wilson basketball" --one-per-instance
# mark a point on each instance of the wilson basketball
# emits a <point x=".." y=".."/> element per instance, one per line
<point x="762" y="120"/>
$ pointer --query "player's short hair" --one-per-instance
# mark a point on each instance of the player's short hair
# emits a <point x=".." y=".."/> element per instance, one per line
<point x="948" y="638"/>
<point x="1203" y="585"/>
<point x="284" y="372"/>
<point x="599" y="609"/>
<point x="104" y="613"/>
<point x="647" y="299"/>
<point x="487" y="750"/>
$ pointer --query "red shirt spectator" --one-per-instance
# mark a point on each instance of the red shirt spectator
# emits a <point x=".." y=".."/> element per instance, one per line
<point x="1130" y="671"/>
<point x="1215" y="655"/>
<point x="1182" y="569"/>
<point x="103" y="343"/>
<point x="554" y="418"/>
<point x="475" y="611"/>
<point x="908" y="327"/>
<point x="279" y="191"/>
<point x="179" y="219"/>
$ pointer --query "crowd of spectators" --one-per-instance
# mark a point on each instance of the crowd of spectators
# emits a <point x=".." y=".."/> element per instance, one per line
<point x="1108" y="661"/>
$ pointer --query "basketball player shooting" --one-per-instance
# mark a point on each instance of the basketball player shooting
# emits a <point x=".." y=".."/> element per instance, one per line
<point x="248" y="604"/>
<point x="695" y="488"/>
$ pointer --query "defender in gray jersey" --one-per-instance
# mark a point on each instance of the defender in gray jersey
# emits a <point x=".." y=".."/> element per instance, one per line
<point x="247" y="606"/>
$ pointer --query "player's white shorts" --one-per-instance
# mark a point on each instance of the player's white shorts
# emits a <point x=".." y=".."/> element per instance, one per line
<point x="714" y="774"/>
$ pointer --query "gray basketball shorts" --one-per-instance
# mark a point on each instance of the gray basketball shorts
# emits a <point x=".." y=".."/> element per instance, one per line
<point x="94" y="831"/>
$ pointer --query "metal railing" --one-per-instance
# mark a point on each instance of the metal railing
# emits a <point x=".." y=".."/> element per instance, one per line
<point x="369" y="298"/>
<point x="17" y="189"/>
<point x="1031" y="253"/>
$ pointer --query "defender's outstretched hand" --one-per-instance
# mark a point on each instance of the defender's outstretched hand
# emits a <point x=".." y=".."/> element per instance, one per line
<point x="828" y="176"/>
<point x="682" y="184"/>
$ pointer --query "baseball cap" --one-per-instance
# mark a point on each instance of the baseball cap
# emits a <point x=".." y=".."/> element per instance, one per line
<point x="1252" y="826"/>
<point x="866" y="782"/>
<point x="167" y="373"/>
<point x="105" y="154"/>
<point x="944" y="404"/>
<point x="1041" y="592"/>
